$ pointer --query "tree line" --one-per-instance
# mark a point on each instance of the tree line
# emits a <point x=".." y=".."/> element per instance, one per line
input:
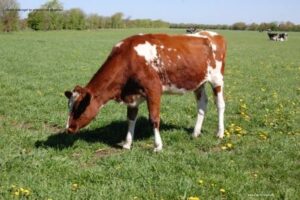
<point x="51" y="16"/>
<point x="272" y="26"/>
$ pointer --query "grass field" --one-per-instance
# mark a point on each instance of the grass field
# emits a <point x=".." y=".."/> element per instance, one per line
<point x="258" y="159"/>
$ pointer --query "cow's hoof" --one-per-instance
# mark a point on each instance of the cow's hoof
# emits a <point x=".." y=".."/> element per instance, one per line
<point x="195" y="135"/>
<point x="220" y="134"/>
<point x="158" y="148"/>
<point x="126" y="146"/>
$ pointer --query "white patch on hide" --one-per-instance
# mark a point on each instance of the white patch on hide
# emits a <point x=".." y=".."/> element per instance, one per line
<point x="214" y="75"/>
<point x="214" y="47"/>
<point x="148" y="51"/>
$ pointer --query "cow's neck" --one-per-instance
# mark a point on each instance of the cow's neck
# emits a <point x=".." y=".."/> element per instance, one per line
<point x="107" y="83"/>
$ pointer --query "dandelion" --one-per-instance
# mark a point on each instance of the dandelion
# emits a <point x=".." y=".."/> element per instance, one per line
<point x="26" y="193"/>
<point x="201" y="182"/>
<point x="243" y="106"/>
<point x="223" y="147"/>
<point x="74" y="186"/>
<point x="238" y="128"/>
<point x="17" y="193"/>
<point x="193" y="198"/>
<point x="263" y="136"/>
<point x="227" y="133"/>
<point x="229" y="145"/>
<point x="222" y="190"/>
<point x="22" y="192"/>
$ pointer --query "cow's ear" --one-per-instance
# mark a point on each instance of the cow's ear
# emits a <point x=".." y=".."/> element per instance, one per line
<point x="68" y="94"/>
<point x="78" y="89"/>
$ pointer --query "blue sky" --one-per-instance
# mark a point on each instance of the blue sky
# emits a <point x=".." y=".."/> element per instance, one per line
<point x="187" y="11"/>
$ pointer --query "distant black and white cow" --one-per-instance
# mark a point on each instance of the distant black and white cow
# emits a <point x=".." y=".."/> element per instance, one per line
<point x="283" y="36"/>
<point x="191" y="30"/>
<point x="278" y="36"/>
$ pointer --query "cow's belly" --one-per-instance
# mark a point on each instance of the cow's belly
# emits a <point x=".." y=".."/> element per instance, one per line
<point x="174" y="89"/>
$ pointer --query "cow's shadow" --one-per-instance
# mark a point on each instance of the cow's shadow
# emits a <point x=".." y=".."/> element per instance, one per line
<point x="111" y="134"/>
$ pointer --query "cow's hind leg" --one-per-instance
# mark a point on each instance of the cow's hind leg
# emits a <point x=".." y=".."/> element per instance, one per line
<point x="201" y="109"/>
<point x="217" y="83"/>
<point x="220" y="103"/>
<point x="219" y="98"/>
<point x="154" y="108"/>
<point x="131" y="117"/>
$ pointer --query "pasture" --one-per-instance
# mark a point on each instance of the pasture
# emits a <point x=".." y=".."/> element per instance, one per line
<point x="258" y="158"/>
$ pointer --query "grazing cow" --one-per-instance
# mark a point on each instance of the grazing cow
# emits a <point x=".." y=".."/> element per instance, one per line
<point x="278" y="36"/>
<point x="191" y="30"/>
<point x="273" y="36"/>
<point x="142" y="67"/>
<point x="283" y="36"/>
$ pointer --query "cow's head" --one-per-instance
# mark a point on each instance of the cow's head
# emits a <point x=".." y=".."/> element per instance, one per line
<point x="82" y="108"/>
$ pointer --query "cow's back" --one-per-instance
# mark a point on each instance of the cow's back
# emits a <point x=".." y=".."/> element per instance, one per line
<point x="180" y="61"/>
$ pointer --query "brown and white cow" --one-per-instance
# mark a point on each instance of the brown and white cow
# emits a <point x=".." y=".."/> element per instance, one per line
<point x="142" y="67"/>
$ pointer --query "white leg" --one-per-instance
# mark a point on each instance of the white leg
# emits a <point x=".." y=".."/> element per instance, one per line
<point x="201" y="107"/>
<point x="131" y="116"/>
<point x="157" y="140"/>
<point x="130" y="134"/>
<point x="215" y="77"/>
<point x="220" y="103"/>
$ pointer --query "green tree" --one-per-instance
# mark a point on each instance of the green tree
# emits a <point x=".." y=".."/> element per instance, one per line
<point x="54" y="16"/>
<point x="9" y="16"/>
<point x="117" y="20"/>
<point x="273" y="26"/>
<point x="253" y="27"/>
<point x="93" y="21"/>
<point x="239" y="26"/>
<point x="49" y="17"/>
<point x="74" y="19"/>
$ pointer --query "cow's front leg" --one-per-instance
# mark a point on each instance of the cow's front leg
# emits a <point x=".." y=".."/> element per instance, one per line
<point x="131" y="117"/>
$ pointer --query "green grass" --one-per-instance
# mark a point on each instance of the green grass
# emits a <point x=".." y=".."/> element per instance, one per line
<point x="262" y="84"/>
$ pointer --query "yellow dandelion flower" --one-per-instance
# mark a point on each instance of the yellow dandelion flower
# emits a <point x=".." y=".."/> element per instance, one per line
<point x="263" y="136"/>
<point x="222" y="190"/>
<point x="74" y="186"/>
<point x="243" y="106"/>
<point x="201" y="182"/>
<point x="17" y="193"/>
<point x="193" y="198"/>
<point x="238" y="128"/>
<point x="229" y="145"/>
<point x="223" y="147"/>
<point x="26" y="192"/>
<point x="226" y="132"/>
